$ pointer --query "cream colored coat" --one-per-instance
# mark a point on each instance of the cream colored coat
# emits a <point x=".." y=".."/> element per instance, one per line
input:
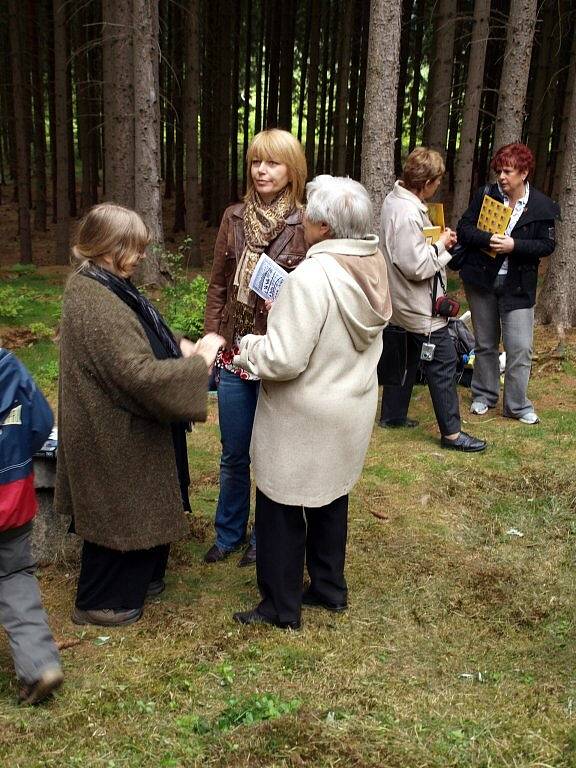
<point x="412" y="263"/>
<point x="317" y="363"/>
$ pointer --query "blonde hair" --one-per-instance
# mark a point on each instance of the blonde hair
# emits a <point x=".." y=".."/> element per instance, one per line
<point x="281" y="147"/>
<point x="111" y="230"/>
<point x="422" y="165"/>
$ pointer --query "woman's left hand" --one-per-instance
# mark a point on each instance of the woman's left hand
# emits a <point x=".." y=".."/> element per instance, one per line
<point x="187" y="347"/>
<point x="502" y="243"/>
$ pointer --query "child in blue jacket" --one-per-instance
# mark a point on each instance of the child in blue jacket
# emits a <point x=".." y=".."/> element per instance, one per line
<point x="25" y="423"/>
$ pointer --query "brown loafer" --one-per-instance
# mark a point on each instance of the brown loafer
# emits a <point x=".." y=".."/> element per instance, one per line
<point x="106" y="617"/>
<point x="47" y="683"/>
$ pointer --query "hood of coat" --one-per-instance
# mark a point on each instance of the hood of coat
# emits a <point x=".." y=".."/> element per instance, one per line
<point x="356" y="272"/>
<point x="11" y="380"/>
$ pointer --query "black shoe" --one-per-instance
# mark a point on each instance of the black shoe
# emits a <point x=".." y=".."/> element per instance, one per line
<point x="312" y="599"/>
<point x="215" y="554"/>
<point x="255" y="617"/>
<point x="155" y="588"/>
<point x="249" y="556"/>
<point x="464" y="442"/>
<point x="395" y="423"/>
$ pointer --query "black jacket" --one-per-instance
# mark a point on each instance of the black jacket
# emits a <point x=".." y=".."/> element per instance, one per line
<point x="533" y="237"/>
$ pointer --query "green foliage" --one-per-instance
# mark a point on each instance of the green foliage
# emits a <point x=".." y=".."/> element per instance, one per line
<point x="41" y="330"/>
<point x="47" y="375"/>
<point x="186" y="302"/>
<point x="12" y="302"/>
<point x="254" y="709"/>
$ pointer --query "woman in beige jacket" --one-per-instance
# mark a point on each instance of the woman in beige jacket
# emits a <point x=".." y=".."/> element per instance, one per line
<point x="317" y="401"/>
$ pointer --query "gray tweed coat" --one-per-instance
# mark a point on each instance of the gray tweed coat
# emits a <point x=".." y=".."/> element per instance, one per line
<point x="116" y="472"/>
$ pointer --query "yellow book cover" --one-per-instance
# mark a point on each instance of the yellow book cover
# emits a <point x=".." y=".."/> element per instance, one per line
<point x="494" y="218"/>
<point x="436" y="214"/>
<point x="431" y="234"/>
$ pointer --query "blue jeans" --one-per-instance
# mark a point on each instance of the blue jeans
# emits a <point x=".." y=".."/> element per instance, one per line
<point x="237" y="400"/>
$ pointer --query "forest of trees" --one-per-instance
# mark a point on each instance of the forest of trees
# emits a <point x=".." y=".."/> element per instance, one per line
<point x="139" y="100"/>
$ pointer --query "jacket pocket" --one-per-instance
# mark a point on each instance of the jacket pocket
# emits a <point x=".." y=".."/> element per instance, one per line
<point x="289" y="261"/>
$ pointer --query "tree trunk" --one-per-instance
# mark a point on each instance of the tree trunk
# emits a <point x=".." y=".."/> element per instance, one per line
<point x="320" y="159"/>
<point x="118" y="65"/>
<point x="515" y="71"/>
<point x="341" y="116"/>
<point x="304" y="68"/>
<point x="381" y="92"/>
<point x="353" y="115"/>
<point x="440" y="84"/>
<point x="178" y="71"/>
<point x="258" y="112"/>
<point x="556" y="304"/>
<point x="70" y="128"/>
<point x="36" y="23"/>
<point x="541" y="105"/>
<point x="23" y="182"/>
<point x="312" y="101"/>
<point x="471" y="109"/>
<point x="402" y="80"/>
<point x="247" y="81"/>
<point x="146" y="177"/>
<point x="235" y="107"/>
<point x="334" y="26"/>
<point x="416" y="74"/>
<point x="274" y="65"/>
<point x="192" y="255"/>
<point x="62" y="153"/>
<point x="287" y="43"/>
<point x="362" y="89"/>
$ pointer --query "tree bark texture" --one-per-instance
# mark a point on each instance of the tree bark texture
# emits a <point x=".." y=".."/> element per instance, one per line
<point x="312" y="102"/>
<point x="62" y="153"/>
<point x="147" y="198"/>
<point x="515" y="72"/>
<point x="381" y="91"/>
<point x="23" y="178"/>
<point x="471" y="110"/>
<point x="118" y="63"/>
<point x="556" y="304"/>
<point x="342" y="96"/>
<point x="440" y="81"/>
<point x="36" y="23"/>
<point x="193" y="256"/>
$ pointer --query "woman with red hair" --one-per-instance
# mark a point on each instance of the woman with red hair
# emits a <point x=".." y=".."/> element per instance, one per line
<point x="501" y="288"/>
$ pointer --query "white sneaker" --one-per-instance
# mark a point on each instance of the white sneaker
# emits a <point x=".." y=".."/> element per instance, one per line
<point x="478" y="408"/>
<point x="529" y="418"/>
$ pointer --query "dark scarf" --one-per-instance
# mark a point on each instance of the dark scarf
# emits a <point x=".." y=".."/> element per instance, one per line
<point x="164" y="346"/>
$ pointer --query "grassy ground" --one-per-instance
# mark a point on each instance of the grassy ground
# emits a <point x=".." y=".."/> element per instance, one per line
<point x="458" y="648"/>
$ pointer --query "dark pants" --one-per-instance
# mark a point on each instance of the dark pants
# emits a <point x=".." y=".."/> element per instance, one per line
<point x="440" y="376"/>
<point x="288" y="535"/>
<point x="118" y="580"/>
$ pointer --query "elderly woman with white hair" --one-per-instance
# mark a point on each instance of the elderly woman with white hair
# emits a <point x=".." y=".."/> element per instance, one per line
<point x="315" y="412"/>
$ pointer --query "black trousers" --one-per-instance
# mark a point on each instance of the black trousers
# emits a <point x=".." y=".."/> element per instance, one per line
<point x="118" y="580"/>
<point x="287" y="536"/>
<point x="440" y="376"/>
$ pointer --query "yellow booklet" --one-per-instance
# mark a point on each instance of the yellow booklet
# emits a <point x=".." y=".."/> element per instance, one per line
<point x="494" y="218"/>
<point x="431" y="234"/>
<point x="436" y="214"/>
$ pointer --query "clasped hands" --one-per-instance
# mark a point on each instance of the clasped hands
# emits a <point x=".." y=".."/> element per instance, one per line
<point x="502" y="243"/>
<point x="207" y="348"/>
<point x="449" y="238"/>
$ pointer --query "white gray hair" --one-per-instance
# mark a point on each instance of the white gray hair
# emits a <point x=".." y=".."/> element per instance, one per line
<point x="341" y="203"/>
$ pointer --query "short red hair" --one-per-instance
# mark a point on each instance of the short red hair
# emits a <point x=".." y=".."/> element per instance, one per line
<point x="516" y="155"/>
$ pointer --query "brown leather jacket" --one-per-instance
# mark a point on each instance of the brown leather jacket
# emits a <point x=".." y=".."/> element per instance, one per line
<point x="288" y="250"/>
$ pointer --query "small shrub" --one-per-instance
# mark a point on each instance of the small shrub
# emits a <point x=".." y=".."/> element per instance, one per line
<point x="186" y="305"/>
<point x="41" y="330"/>
<point x="12" y="302"/>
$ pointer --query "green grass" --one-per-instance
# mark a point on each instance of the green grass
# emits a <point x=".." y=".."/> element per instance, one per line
<point x="457" y="650"/>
